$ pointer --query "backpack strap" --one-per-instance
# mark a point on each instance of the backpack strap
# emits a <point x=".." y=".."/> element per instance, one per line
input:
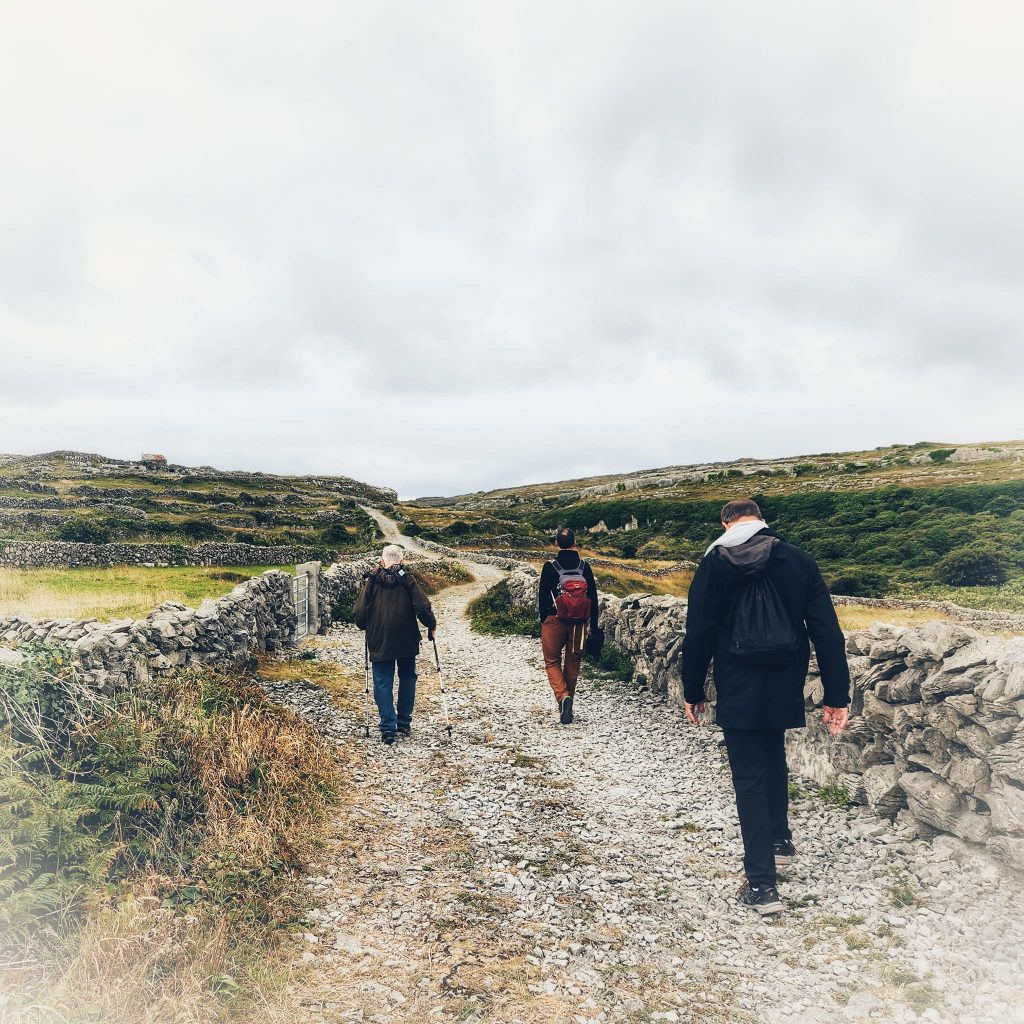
<point x="563" y="571"/>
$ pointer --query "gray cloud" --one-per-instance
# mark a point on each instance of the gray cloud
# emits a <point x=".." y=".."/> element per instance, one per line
<point x="733" y="227"/>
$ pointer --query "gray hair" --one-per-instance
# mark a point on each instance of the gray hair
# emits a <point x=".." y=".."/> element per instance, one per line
<point x="392" y="555"/>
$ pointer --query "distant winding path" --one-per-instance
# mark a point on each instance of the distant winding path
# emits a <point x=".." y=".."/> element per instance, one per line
<point x="392" y="535"/>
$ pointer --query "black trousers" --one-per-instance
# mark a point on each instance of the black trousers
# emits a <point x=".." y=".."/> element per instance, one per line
<point x="760" y="777"/>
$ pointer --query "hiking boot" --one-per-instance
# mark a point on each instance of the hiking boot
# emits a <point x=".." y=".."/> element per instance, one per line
<point x="565" y="710"/>
<point x="405" y="730"/>
<point x="388" y="738"/>
<point x="785" y="853"/>
<point x="764" y="899"/>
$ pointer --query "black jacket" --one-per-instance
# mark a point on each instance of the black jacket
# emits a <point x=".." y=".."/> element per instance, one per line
<point x="750" y="697"/>
<point x="549" y="584"/>
<point x="387" y="607"/>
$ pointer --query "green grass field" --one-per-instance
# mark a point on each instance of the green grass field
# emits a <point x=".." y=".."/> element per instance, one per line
<point x="114" y="593"/>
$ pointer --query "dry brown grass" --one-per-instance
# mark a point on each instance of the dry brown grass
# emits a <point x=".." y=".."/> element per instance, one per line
<point x="622" y="581"/>
<point x="138" y="963"/>
<point x="197" y="942"/>
<point x="621" y="578"/>
<point x="855" y="617"/>
<point x="345" y="685"/>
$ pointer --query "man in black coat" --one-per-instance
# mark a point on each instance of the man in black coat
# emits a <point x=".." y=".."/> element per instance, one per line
<point x="387" y="608"/>
<point x="761" y="694"/>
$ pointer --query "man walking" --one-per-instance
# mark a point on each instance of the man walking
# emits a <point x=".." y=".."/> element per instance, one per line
<point x="753" y="603"/>
<point x="568" y="603"/>
<point x="387" y="608"/>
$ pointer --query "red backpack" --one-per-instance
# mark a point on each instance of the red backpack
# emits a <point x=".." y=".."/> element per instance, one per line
<point x="572" y="603"/>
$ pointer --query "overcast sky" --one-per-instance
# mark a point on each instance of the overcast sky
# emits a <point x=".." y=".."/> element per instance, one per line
<point x="450" y="246"/>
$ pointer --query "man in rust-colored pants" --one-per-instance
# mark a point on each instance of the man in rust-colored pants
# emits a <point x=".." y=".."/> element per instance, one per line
<point x="561" y="642"/>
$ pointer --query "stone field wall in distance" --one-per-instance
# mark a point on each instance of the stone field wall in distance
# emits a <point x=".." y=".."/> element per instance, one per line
<point x="23" y="554"/>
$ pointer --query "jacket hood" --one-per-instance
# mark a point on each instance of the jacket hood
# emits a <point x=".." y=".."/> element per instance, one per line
<point x="738" y="534"/>
<point x="389" y="577"/>
<point x="751" y="557"/>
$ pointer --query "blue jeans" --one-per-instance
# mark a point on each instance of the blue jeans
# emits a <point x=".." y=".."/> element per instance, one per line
<point x="384" y="692"/>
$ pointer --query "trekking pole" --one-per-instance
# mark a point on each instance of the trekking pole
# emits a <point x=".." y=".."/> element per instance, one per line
<point x="366" y="693"/>
<point x="440" y="683"/>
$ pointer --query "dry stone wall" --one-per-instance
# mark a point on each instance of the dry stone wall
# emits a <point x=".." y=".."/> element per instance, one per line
<point x="257" y="615"/>
<point x="509" y="564"/>
<point x="23" y="554"/>
<point x="937" y="728"/>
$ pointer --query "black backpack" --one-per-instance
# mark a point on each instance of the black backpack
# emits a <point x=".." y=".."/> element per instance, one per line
<point x="761" y="631"/>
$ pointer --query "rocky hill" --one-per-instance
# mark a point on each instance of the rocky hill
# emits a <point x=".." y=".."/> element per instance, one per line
<point x="86" y="497"/>
<point x="922" y="464"/>
<point x="928" y="520"/>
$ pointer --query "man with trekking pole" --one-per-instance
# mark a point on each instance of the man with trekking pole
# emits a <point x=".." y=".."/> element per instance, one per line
<point x="567" y="602"/>
<point x="754" y="603"/>
<point x="387" y="608"/>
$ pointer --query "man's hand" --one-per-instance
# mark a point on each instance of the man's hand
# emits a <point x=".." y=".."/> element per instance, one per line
<point x="692" y="710"/>
<point x="835" y="719"/>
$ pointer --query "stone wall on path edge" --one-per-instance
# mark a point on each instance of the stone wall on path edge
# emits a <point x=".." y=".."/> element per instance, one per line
<point x="936" y="736"/>
<point x="257" y="615"/>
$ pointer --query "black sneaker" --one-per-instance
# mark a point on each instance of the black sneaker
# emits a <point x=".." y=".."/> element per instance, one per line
<point x="405" y="730"/>
<point x="763" y="899"/>
<point x="785" y="853"/>
<point x="387" y="737"/>
<point x="565" y="708"/>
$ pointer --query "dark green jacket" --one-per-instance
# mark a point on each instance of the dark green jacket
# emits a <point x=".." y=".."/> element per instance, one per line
<point x="387" y="607"/>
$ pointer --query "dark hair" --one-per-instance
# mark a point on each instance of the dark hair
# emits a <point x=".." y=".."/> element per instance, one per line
<point x="739" y="508"/>
<point x="565" y="538"/>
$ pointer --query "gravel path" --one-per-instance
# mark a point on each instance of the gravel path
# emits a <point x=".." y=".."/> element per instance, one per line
<point x="533" y="872"/>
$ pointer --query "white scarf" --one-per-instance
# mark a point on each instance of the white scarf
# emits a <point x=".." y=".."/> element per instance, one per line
<point x="738" y="534"/>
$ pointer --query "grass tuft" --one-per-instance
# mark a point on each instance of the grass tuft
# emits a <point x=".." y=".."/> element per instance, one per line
<point x="838" y="796"/>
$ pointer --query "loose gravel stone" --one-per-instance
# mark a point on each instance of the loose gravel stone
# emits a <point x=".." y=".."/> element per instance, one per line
<point x="529" y="871"/>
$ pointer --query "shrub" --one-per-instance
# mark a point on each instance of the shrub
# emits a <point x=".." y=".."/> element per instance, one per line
<point x="336" y="535"/>
<point x="411" y="529"/>
<point x="614" y="663"/>
<point x="198" y="529"/>
<point x="495" y="613"/>
<point x="968" y="567"/>
<point x="1001" y="505"/>
<point x="457" y="529"/>
<point x="84" y="532"/>
<point x="941" y="454"/>
<point x="244" y="537"/>
<point x="864" y="583"/>
<point x="839" y="796"/>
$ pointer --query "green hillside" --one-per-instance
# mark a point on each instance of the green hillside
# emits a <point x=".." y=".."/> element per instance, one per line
<point x="923" y="520"/>
<point x="82" y="497"/>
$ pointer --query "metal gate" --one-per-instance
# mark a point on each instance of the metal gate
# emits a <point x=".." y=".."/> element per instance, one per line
<point x="300" y="590"/>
